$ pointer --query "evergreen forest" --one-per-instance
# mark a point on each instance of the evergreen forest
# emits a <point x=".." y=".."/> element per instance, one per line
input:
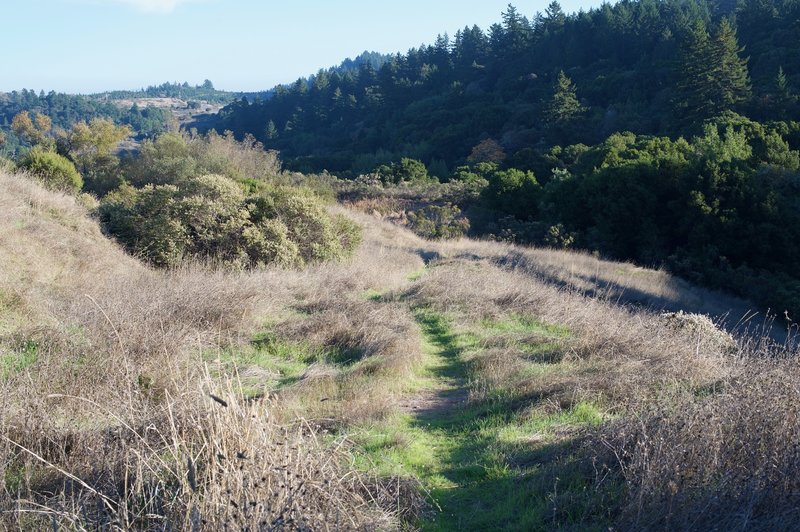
<point x="663" y="132"/>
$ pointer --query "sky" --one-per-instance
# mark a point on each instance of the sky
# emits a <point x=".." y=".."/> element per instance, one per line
<point x="86" y="46"/>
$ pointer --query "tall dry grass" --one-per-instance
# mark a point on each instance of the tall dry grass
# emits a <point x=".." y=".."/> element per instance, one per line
<point x="109" y="421"/>
<point x="615" y="353"/>
<point x="706" y="435"/>
<point x="620" y="282"/>
<point x="201" y="463"/>
<point x="728" y="459"/>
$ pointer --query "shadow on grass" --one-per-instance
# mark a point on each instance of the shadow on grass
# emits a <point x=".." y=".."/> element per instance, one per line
<point x="486" y="480"/>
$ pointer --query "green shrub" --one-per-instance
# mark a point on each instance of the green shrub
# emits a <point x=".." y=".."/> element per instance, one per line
<point x="210" y="217"/>
<point x="512" y="192"/>
<point x="102" y="176"/>
<point x="405" y="171"/>
<point x="318" y="235"/>
<point x="7" y="165"/>
<point x="55" y="171"/>
<point x="438" y="222"/>
<point x="238" y="160"/>
<point x="164" y="161"/>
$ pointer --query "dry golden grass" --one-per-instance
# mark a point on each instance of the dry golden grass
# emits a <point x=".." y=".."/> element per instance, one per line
<point x="105" y="410"/>
<point x="615" y="281"/>
<point x="382" y="346"/>
<point x="108" y="422"/>
<point x="615" y="353"/>
<point x="202" y="463"/>
<point x="728" y="459"/>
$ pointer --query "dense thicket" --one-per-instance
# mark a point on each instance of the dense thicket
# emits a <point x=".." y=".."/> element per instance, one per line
<point x="722" y="208"/>
<point x="214" y="198"/>
<point x="184" y="196"/>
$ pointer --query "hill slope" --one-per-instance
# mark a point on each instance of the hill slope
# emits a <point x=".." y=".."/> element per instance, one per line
<point x="660" y="132"/>
<point x="461" y="381"/>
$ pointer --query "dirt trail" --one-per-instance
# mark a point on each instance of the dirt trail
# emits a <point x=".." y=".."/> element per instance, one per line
<point x="444" y="371"/>
<point x="431" y="403"/>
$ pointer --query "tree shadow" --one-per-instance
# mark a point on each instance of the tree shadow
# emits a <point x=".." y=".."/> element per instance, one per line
<point x="492" y="483"/>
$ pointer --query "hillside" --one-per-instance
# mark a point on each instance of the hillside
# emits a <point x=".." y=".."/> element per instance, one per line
<point x="659" y="132"/>
<point x="438" y="385"/>
<point x="632" y="66"/>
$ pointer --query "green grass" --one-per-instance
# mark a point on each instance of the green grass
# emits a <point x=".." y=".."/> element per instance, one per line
<point x="488" y="465"/>
<point x="18" y="360"/>
<point x="373" y="295"/>
<point x="543" y="343"/>
<point x="413" y="276"/>
<point x="269" y="362"/>
<point x="517" y="323"/>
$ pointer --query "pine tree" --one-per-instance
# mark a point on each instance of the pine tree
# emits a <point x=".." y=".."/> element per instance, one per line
<point x="730" y="71"/>
<point x="554" y="17"/>
<point x="517" y="30"/>
<point x="564" y="105"/>
<point x="712" y="76"/>
<point x="695" y="87"/>
<point x="782" y="86"/>
<point x="270" y="131"/>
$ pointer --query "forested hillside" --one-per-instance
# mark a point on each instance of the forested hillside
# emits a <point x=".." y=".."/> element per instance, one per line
<point x="649" y="67"/>
<point x="64" y="110"/>
<point x="658" y="131"/>
<point x="205" y="92"/>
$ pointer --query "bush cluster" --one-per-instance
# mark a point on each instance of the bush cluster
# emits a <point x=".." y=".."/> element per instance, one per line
<point x="438" y="222"/>
<point x="211" y="217"/>
<point x="55" y="171"/>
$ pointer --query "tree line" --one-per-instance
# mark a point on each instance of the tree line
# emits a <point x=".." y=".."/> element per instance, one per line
<point x="65" y="110"/>
<point x="646" y="66"/>
<point x="660" y="131"/>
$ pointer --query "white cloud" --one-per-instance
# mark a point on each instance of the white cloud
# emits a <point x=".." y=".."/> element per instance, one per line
<point x="155" y="6"/>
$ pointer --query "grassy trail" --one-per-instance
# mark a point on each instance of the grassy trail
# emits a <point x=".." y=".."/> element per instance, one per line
<point x="486" y="465"/>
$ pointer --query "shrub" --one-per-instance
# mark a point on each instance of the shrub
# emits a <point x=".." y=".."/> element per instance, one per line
<point x="211" y="217"/>
<point x="7" y="165"/>
<point x="405" y="171"/>
<point x="438" y="222"/>
<point x="224" y="155"/>
<point x="55" y="171"/>
<point x="146" y="222"/>
<point x="318" y="236"/>
<point x="513" y="192"/>
<point x="163" y="161"/>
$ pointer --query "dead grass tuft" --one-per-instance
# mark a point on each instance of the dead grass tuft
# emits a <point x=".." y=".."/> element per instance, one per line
<point x="728" y="459"/>
<point x="618" y="354"/>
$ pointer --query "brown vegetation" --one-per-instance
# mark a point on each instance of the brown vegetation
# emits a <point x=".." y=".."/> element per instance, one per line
<point x="106" y="416"/>
<point x="118" y="407"/>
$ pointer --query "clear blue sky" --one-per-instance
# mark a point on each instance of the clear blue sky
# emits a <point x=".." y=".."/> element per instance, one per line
<point x="95" y="45"/>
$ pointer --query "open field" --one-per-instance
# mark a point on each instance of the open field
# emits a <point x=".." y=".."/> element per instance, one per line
<point x="420" y="385"/>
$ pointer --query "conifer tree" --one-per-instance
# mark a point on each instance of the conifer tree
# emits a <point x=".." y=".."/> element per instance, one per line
<point x="781" y="84"/>
<point x="695" y="87"/>
<point x="271" y="131"/>
<point x="730" y="71"/>
<point x="564" y="105"/>
<point x="554" y="17"/>
<point x="713" y="78"/>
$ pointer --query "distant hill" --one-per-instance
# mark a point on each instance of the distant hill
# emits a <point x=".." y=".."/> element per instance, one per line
<point x="204" y="92"/>
<point x="628" y="64"/>
<point x="66" y="109"/>
<point x="149" y="111"/>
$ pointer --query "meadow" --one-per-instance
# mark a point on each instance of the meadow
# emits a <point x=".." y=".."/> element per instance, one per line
<point x="434" y="385"/>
